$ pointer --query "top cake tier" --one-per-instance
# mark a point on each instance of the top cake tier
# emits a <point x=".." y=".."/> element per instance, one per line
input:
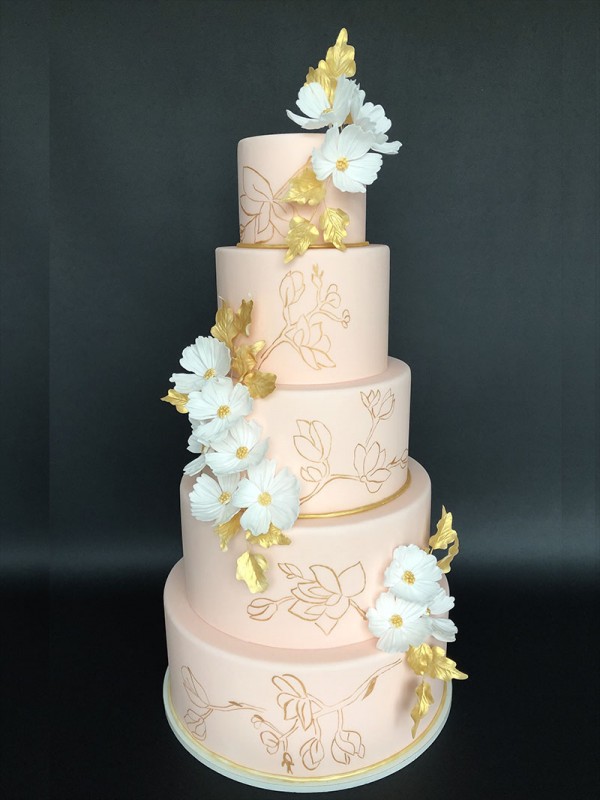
<point x="266" y="165"/>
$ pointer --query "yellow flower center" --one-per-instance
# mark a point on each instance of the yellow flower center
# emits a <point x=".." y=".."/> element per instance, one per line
<point x="224" y="497"/>
<point x="210" y="373"/>
<point x="342" y="164"/>
<point x="223" y="412"/>
<point x="241" y="452"/>
<point x="327" y="111"/>
<point x="264" y="499"/>
<point x="408" y="577"/>
<point x="396" y="620"/>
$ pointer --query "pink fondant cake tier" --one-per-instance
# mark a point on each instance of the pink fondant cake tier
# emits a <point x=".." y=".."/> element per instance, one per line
<point x="324" y="317"/>
<point x="295" y="716"/>
<point x="319" y="586"/>
<point x="266" y="164"/>
<point x="346" y="442"/>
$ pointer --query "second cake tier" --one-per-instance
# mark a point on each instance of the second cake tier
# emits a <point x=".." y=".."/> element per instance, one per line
<point x="320" y="586"/>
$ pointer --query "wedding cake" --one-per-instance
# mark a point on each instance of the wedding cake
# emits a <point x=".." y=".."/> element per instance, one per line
<point x="308" y="619"/>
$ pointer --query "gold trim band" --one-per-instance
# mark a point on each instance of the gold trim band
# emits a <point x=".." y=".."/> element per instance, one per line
<point x="259" y="246"/>
<point x="359" y="510"/>
<point x="317" y="778"/>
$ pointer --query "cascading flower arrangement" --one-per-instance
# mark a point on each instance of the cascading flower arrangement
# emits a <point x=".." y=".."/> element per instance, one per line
<point x="351" y="154"/>
<point x="414" y="608"/>
<point x="246" y="493"/>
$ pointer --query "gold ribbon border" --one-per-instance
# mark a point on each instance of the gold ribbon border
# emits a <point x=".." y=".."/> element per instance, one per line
<point x="259" y="246"/>
<point x="317" y="778"/>
<point x="359" y="510"/>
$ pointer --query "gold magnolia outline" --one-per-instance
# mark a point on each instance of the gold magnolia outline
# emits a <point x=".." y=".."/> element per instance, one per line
<point x="315" y="439"/>
<point x="311" y="599"/>
<point x="304" y="332"/>
<point x="301" y="709"/>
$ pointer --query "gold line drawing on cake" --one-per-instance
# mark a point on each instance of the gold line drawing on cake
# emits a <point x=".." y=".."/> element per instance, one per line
<point x="264" y="208"/>
<point x="303" y="328"/>
<point x="322" y="598"/>
<point x="313" y="442"/>
<point x="301" y="709"/>
<point x="195" y="718"/>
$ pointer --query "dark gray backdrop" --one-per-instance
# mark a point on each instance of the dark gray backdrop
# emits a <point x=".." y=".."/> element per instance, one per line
<point x="490" y="212"/>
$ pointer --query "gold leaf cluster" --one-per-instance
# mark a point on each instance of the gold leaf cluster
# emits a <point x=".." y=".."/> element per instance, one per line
<point x="177" y="399"/>
<point x="338" y="61"/>
<point x="301" y="235"/>
<point x="227" y="530"/>
<point x="272" y="537"/>
<point x="306" y="189"/>
<point x="445" y="538"/>
<point x="334" y="222"/>
<point x="251" y="569"/>
<point x="229" y="323"/>
<point x="421" y="707"/>
<point x="433" y="661"/>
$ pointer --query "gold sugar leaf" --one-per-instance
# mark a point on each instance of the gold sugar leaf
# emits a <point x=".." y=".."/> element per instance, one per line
<point x="225" y="328"/>
<point x="421" y="707"/>
<point x="340" y="58"/>
<point x="443" y="667"/>
<point x="260" y="384"/>
<point x="444" y="563"/>
<point x="271" y="537"/>
<point x="306" y="188"/>
<point x="445" y="537"/>
<point x="177" y="399"/>
<point x="334" y="222"/>
<point x="227" y="530"/>
<point x="321" y="75"/>
<point x="243" y="317"/>
<point x="244" y="358"/>
<point x="251" y="569"/>
<point x="301" y="235"/>
<point x="419" y="658"/>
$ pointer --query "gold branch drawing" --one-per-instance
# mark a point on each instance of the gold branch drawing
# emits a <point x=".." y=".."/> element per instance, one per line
<point x="322" y="597"/>
<point x="304" y="324"/>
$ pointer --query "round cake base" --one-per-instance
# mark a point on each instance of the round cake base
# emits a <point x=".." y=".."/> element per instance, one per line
<point x="331" y="783"/>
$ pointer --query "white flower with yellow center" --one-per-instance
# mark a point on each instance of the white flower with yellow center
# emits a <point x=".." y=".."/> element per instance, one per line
<point x="398" y="624"/>
<point x="413" y="574"/>
<point x="268" y="498"/>
<point x="212" y="500"/>
<point x="444" y="630"/>
<point x="207" y="359"/>
<point x="240" y="449"/>
<point x="320" y="113"/>
<point x="344" y="156"/>
<point x="372" y="119"/>
<point x="218" y="407"/>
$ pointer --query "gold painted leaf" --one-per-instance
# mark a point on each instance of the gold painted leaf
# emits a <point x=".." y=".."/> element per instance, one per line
<point x="251" y="569"/>
<point x="271" y="537"/>
<point x="321" y="75"/>
<point x="340" y="57"/>
<point x="419" y="658"/>
<point x="421" y="707"/>
<point x="370" y="687"/>
<point x="260" y="384"/>
<point x="444" y="534"/>
<point x="443" y="667"/>
<point x="227" y="530"/>
<point x="334" y="222"/>
<point x="243" y="317"/>
<point x="290" y="570"/>
<point x="244" y="358"/>
<point x="306" y="189"/>
<point x="301" y="235"/>
<point x="224" y="329"/>
<point x="177" y="399"/>
<point x="444" y="563"/>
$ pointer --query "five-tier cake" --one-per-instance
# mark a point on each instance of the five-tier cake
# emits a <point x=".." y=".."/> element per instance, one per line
<point x="308" y="619"/>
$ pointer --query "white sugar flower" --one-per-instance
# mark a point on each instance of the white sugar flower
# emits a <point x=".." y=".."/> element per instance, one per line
<point x="345" y="157"/>
<point x="212" y="500"/>
<point x="372" y="119"/>
<point x="444" y="630"/>
<point x="194" y="444"/>
<point x="398" y="624"/>
<point x="219" y="406"/>
<point x="413" y="574"/>
<point x="320" y="113"/>
<point x="238" y="450"/>
<point x="195" y="466"/>
<point x="207" y="359"/>
<point x="268" y="498"/>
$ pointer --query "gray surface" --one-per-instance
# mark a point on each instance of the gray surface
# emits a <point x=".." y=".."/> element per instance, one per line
<point x="489" y="209"/>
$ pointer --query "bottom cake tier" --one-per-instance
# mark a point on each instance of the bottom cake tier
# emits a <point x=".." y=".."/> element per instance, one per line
<point x="292" y="720"/>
